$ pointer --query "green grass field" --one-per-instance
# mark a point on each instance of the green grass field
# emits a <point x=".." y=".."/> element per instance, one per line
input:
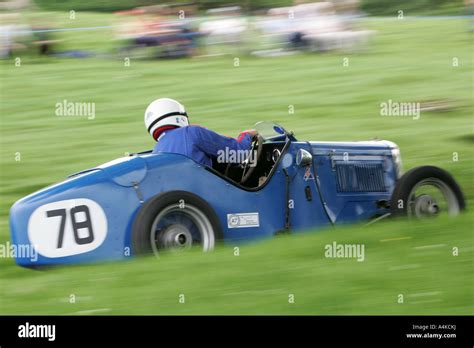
<point x="407" y="61"/>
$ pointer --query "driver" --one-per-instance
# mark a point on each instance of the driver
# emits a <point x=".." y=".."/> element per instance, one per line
<point x="167" y="122"/>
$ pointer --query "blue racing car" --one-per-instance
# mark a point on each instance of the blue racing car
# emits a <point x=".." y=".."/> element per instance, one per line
<point x="146" y="203"/>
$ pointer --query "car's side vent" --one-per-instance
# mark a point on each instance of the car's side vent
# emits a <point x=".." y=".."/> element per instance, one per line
<point x="360" y="177"/>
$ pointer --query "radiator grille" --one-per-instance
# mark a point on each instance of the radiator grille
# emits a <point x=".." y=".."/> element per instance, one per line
<point x="359" y="177"/>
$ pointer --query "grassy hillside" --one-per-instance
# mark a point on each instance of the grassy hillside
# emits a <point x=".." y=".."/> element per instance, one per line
<point x="407" y="61"/>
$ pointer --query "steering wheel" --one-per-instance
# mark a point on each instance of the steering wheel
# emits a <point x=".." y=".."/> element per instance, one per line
<point x="247" y="168"/>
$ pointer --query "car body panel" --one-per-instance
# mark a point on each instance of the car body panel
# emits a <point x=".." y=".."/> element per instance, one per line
<point x="353" y="206"/>
<point x="120" y="188"/>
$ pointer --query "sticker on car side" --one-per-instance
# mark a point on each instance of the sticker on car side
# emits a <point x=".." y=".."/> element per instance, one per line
<point x="243" y="220"/>
<point x="68" y="227"/>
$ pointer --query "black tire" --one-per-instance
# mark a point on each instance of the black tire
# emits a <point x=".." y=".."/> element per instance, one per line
<point x="408" y="181"/>
<point x="141" y="230"/>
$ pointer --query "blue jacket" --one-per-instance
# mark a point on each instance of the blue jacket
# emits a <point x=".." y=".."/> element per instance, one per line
<point x="199" y="144"/>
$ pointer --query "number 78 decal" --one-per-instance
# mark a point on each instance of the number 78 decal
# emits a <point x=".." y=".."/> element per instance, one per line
<point x="58" y="230"/>
<point x="76" y="226"/>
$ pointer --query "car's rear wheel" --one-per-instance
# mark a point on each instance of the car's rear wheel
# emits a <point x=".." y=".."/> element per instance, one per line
<point x="176" y="220"/>
<point x="427" y="191"/>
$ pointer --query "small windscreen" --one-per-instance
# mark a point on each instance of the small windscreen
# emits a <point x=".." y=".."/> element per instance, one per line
<point x="269" y="130"/>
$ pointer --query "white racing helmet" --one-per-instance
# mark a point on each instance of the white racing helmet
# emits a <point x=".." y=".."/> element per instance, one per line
<point x="164" y="113"/>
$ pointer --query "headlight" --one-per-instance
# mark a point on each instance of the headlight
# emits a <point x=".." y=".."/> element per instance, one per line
<point x="397" y="161"/>
<point x="396" y="156"/>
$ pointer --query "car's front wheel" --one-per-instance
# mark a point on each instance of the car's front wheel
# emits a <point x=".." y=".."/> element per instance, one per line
<point x="175" y="220"/>
<point x="426" y="191"/>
